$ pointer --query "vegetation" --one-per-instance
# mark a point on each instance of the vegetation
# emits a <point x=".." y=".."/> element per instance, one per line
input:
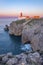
<point x="20" y="21"/>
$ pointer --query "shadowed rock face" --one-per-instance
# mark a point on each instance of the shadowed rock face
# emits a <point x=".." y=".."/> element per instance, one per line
<point x="33" y="32"/>
<point x="6" y="28"/>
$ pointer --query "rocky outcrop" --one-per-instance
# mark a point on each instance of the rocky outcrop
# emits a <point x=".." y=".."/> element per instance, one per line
<point x="6" y="28"/>
<point x="16" y="27"/>
<point x="33" y="33"/>
<point x="21" y="59"/>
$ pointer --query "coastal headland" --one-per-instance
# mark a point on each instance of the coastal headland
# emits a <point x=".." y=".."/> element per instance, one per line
<point x="30" y="30"/>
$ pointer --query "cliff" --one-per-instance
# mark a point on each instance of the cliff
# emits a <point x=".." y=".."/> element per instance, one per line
<point x="33" y="33"/>
<point x="30" y="31"/>
<point x="16" y="27"/>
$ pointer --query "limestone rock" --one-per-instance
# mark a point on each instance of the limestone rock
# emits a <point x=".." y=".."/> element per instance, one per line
<point x="16" y="27"/>
<point x="33" y="33"/>
<point x="23" y="59"/>
<point x="12" y="61"/>
<point x="10" y="55"/>
<point x="5" y="59"/>
<point x="33" y="58"/>
<point x="37" y="42"/>
<point x="29" y="32"/>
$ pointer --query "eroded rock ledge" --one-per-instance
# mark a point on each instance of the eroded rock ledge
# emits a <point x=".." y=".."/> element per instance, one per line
<point x="21" y="59"/>
<point x="31" y="30"/>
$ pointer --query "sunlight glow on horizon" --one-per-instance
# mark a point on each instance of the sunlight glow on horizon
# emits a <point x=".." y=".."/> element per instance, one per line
<point x="27" y="7"/>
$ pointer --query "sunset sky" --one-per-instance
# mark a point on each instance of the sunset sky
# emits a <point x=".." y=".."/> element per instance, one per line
<point x="27" y="7"/>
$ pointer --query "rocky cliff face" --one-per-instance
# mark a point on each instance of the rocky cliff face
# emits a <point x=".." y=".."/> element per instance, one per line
<point x="16" y="27"/>
<point x="33" y="32"/>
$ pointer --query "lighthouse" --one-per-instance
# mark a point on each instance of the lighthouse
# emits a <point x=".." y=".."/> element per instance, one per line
<point x="21" y="14"/>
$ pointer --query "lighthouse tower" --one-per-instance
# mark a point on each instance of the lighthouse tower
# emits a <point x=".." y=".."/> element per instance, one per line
<point x="21" y="14"/>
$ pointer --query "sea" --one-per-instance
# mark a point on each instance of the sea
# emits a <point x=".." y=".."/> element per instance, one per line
<point x="12" y="43"/>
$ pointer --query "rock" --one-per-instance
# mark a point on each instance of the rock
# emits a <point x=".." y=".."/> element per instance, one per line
<point x="1" y="64"/>
<point x="23" y="59"/>
<point x="12" y="61"/>
<point x="37" y="42"/>
<point x="33" y="33"/>
<point x="5" y="59"/>
<point x="33" y="58"/>
<point x="0" y="59"/>
<point x="10" y="55"/>
<point x="16" y="27"/>
<point x="6" y="28"/>
<point x="18" y="57"/>
<point x="23" y="64"/>
<point x="28" y="33"/>
<point x="22" y="55"/>
<point x="41" y="59"/>
<point x="1" y="56"/>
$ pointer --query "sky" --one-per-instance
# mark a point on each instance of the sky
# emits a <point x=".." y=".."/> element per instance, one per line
<point x="27" y="7"/>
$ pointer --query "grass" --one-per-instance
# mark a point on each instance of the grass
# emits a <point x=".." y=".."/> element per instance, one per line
<point x="20" y="21"/>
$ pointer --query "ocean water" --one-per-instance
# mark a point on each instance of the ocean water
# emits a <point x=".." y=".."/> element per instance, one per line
<point x="4" y="21"/>
<point x="10" y="43"/>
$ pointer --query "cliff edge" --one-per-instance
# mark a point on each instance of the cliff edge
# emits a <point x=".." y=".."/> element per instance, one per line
<point x="30" y="31"/>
